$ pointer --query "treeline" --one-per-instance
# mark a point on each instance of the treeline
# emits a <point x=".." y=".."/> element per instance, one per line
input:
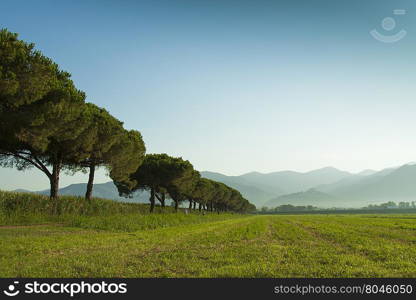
<point x="287" y="207"/>
<point x="46" y="123"/>
<point x="309" y="208"/>
<point x="392" y="205"/>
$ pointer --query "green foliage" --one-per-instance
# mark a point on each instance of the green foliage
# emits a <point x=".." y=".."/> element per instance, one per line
<point x="41" y="111"/>
<point x="126" y="155"/>
<point x="105" y="142"/>
<point x="161" y="172"/>
<point x="25" y="74"/>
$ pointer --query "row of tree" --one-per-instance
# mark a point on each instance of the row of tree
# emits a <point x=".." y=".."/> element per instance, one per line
<point x="287" y="207"/>
<point x="392" y="205"/>
<point x="46" y="123"/>
<point x="163" y="175"/>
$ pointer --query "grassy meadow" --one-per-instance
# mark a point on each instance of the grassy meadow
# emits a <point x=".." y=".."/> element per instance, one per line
<point x="131" y="243"/>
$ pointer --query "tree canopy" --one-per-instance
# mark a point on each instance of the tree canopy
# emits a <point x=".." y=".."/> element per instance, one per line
<point x="25" y="74"/>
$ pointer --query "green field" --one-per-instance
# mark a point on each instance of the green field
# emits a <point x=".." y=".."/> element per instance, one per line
<point x="214" y="246"/>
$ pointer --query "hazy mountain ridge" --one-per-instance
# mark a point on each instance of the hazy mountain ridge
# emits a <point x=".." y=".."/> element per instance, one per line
<point x="310" y="197"/>
<point x="259" y="188"/>
<point x="391" y="184"/>
<point x="253" y="193"/>
<point x="291" y="181"/>
<point x="330" y="187"/>
<point x="397" y="184"/>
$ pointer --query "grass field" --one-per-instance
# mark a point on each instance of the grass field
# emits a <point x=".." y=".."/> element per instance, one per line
<point x="217" y="246"/>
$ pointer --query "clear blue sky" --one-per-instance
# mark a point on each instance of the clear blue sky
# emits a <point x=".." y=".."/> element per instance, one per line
<point x="237" y="86"/>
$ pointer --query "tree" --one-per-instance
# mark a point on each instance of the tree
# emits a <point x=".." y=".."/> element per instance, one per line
<point x="205" y="192"/>
<point x="43" y="133"/>
<point x="25" y="74"/>
<point x="39" y="110"/>
<point x="160" y="194"/>
<point x="264" y="209"/>
<point x="201" y="192"/>
<point x="218" y="193"/>
<point x="159" y="173"/>
<point x="108" y="144"/>
<point x="152" y="175"/>
<point x="183" y="182"/>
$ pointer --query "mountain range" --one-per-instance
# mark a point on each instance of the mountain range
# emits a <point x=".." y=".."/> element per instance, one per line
<point x="326" y="187"/>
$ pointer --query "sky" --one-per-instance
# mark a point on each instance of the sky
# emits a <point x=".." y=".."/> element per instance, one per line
<point x="238" y="86"/>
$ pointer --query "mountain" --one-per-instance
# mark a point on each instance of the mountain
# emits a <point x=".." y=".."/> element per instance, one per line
<point x="310" y="197"/>
<point x="357" y="190"/>
<point x="258" y="188"/>
<point x="101" y="190"/>
<point x="397" y="184"/>
<point x="254" y="194"/>
<point x="367" y="172"/>
<point x="22" y="191"/>
<point x="292" y="182"/>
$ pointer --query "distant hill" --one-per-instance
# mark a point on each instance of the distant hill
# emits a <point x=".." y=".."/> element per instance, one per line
<point x="254" y="194"/>
<point x="358" y="190"/>
<point x="101" y="190"/>
<point x="22" y="191"/>
<point x="291" y="182"/>
<point x="397" y="185"/>
<point x="310" y="197"/>
<point x="367" y="172"/>
<point x="258" y="188"/>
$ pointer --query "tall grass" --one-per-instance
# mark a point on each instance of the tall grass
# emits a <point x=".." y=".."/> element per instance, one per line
<point x="30" y="209"/>
<point x="28" y="203"/>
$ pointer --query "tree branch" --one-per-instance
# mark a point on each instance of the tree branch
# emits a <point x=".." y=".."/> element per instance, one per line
<point x="33" y="160"/>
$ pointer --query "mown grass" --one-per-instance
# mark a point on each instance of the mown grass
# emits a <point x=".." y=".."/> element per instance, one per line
<point x="257" y="246"/>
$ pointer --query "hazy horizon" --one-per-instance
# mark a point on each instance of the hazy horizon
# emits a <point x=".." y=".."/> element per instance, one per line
<point x="237" y="86"/>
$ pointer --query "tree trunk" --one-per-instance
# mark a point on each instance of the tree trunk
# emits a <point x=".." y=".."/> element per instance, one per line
<point x="90" y="184"/>
<point x="152" y="199"/>
<point x="199" y="206"/>
<point x="176" y="205"/>
<point x="54" y="181"/>
<point x="194" y="205"/>
<point x="163" y="199"/>
<point x="190" y="204"/>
